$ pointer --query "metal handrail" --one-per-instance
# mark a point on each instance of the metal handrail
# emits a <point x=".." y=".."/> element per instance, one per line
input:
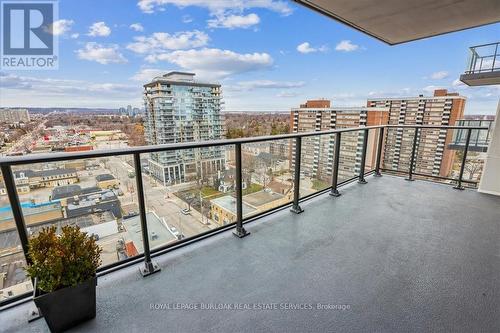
<point x="149" y="267"/>
<point x="476" y="59"/>
<point x="55" y="157"/>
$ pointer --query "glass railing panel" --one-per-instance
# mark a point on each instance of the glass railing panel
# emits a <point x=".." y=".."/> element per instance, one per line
<point x="316" y="163"/>
<point x="13" y="279"/>
<point x="267" y="175"/>
<point x="351" y="150"/>
<point x="97" y="194"/>
<point x="189" y="192"/>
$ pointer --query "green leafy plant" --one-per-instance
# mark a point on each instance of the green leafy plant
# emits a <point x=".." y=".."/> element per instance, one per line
<point x="64" y="260"/>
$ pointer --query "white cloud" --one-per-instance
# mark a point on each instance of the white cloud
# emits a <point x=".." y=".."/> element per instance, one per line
<point x="268" y="84"/>
<point x="75" y="35"/>
<point x="161" y="41"/>
<point x="101" y="54"/>
<point x="99" y="29"/>
<point x="136" y="27"/>
<point x="234" y="21"/>
<point x="217" y="6"/>
<point x="287" y="94"/>
<point x="61" y="27"/>
<point x="147" y="74"/>
<point x="346" y="46"/>
<point x="307" y="48"/>
<point x="457" y="84"/>
<point x="215" y="63"/>
<point x="439" y="75"/>
<point x="187" y="19"/>
<point x="46" y="92"/>
<point x="430" y="89"/>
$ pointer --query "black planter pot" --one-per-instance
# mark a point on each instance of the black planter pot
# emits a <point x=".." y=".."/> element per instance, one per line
<point x="67" y="307"/>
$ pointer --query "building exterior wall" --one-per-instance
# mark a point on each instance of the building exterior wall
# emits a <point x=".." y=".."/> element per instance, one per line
<point x="108" y="184"/>
<point x="11" y="116"/>
<point x="179" y="109"/>
<point x="441" y="109"/>
<point x="317" y="152"/>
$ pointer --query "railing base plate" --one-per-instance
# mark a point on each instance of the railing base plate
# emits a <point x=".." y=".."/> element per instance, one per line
<point x="461" y="188"/>
<point x="377" y="174"/>
<point x="335" y="193"/>
<point x="296" y="210"/>
<point x="240" y="233"/>
<point x="149" y="269"/>
<point x="409" y="179"/>
<point x="34" y="314"/>
<point x="362" y="181"/>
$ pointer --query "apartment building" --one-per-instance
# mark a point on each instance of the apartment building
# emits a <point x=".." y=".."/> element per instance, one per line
<point x="443" y="108"/>
<point x="13" y="116"/>
<point x="317" y="152"/>
<point x="180" y="109"/>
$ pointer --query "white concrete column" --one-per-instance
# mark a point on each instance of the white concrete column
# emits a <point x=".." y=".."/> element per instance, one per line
<point x="490" y="181"/>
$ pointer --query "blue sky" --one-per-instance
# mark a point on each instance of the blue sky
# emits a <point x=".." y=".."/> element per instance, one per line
<point x="267" y="54"/>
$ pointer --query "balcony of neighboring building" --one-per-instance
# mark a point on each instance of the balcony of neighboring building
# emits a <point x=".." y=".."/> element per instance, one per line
<point x="483" y="67"/>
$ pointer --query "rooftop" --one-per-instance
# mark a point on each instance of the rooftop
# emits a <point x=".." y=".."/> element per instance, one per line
<point x="263" y="197"/>
<point x="413" y="256"/>
<point x="104" y="177"/>
<point x="156" y="226"/>
<point x="228" y="202"/>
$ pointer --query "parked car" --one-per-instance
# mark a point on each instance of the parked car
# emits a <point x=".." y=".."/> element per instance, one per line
<point x="174" y="232"/>
<point x="186" y="211"/>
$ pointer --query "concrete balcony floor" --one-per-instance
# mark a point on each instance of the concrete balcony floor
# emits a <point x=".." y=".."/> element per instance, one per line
<point x="405" y="256"/>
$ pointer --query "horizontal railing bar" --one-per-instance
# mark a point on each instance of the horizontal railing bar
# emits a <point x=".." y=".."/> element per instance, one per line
<point x="431" y="176"/>
<point x="482" y="45"/>
<point x="54" y="157"/>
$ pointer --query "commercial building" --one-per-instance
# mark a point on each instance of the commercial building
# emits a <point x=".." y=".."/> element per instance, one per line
<point x="46" y="178"/>
<point x="107" y="181"/>
<point x="12" y="116"/>
<point x="317" y="152"/>
<point x="223" y="209"/>
<point x="180" y="109"/>
<point x="432" y="157"/>
<point x="34" y="214"/>
<point x="96" y="202"/>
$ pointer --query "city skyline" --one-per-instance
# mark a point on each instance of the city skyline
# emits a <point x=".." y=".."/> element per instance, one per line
<point x="106" y="58"/>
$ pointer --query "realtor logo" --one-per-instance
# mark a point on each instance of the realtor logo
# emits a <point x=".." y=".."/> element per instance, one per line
<point x="28" y="41"/>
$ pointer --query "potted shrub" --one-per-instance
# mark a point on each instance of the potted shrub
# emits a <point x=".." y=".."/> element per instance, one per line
<point x="64" y="273"/>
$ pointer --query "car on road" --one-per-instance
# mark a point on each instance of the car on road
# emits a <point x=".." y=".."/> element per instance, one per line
<point x="175" y="232"/>
<point x="186" y="211"/>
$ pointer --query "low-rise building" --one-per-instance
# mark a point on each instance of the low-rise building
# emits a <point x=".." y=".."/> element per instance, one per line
<point x="47" y="178"/>
<point x="223" y="209"/>
<point x="102" y="201"/>
<point x="33" y="214"/>
<point x="107" y="181"/>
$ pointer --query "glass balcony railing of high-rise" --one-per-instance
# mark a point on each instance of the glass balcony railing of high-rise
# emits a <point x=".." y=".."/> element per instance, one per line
<point x="136" y="208"/>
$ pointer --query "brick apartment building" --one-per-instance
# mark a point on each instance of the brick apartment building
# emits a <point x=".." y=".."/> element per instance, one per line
<point x="317" y="152"/>
<point x="443" y="108"/>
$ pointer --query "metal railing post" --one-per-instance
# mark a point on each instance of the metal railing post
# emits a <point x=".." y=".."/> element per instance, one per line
<point x="149" y="266"/>
<point x="15" y="205"/>
<point x="240" y="230"/>
<point x="413" y="152"/>
<point x="379" y="152"/>
<point x="361" y="178"/>
<point x="464" y="160"/>
<point x="296" y="181"/>
<point x="494" y="58"/>
<point x="334" y="192"/>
